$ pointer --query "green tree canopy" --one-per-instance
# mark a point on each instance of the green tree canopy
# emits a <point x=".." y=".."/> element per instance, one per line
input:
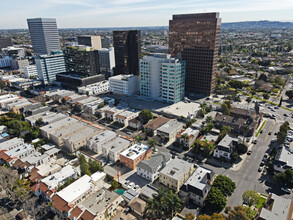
<point x="250" y="197"/>
<point x="145" y="116"/>
<point x="225" y="185"/>
<point x="215" y="200"/>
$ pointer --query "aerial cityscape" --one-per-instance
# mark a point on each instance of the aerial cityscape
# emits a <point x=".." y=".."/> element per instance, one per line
<point x="181" y="116"/>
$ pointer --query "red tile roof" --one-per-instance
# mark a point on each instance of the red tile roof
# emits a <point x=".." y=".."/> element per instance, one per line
<point x="87" y="216"/>
<point x="58" y="203"/>
<point x="75" y="213"/>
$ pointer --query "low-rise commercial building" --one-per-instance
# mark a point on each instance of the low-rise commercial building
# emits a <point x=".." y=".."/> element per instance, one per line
<point x="133" y="155"/>
<point x="11" y="144"/>
<point x="9" y="157"/>
<point x="169" y="130"/>
<point x="18" y="104"/>
<point x="95" y="89"/>
<point x="124" y="84"/>
<point x="197" y="186"/>
<point x="176" y="173"/>
<point x="149" y="169"/>
<point x="34" y="109"/>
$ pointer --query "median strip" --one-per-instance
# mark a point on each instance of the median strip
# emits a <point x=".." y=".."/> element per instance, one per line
<point x="259" y="130"/>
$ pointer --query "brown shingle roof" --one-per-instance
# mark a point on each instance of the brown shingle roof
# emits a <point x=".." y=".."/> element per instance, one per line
<point x="75" y="213"/>
<point x="58" y="203"/>
<point x="156" y="123"/>
<point x="87" y="216"/>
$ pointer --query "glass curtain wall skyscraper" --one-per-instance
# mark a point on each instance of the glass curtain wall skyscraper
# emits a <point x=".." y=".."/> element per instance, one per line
<point x="195" y="38"/>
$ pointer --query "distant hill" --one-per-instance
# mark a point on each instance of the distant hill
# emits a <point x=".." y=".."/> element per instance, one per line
<point x="258" y="25"/>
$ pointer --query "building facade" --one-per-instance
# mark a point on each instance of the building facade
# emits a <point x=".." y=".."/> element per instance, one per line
<point x="195" y="38"/>
<point x="81" y="59"/>
<point x="30" y="71"/>
<point x="48" y="66"/>
<point x="162" y="78"/>
<point x="107" y="61"/>
<point x="91" y="41"/>
<point x="127" y="46"/>
<point x="44" y="35"/>
<point x="124" y="84"/>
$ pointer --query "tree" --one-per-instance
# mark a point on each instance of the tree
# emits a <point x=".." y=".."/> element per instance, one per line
<point x="266" y="95"/>
<point x="95" y="166"/>
<point x="137" y="139"/>
<point x="289" y="93"/>
<point x="228" y="103"/>
<point x="189" y="216"/>
<point x="2" y="85"/>
<point x="245" y="131"/>
<point x="84" y="166"/>
<point x="185" y="137"/>
<point x="209" y="119"/>
<point x="241" y="148"/>
<point x="250" y="197"/>
<point x="114" y="184"/>
<point x="285" y="178"/>
<point x="215" y="200"/>
<point x="238" y="212"/>
<point x="152" y="144"/>
<point x="234" y="156"/>
<point x="39" y="122"/>
<point x="225" y="109"/>
<point x="224" y="131"/>
<point x="63" y="101"/>
<point x="87" y="93"/>
<point x="214" y="216"/>
<point x="225" y="185"/>
<point x="145" y="116"/>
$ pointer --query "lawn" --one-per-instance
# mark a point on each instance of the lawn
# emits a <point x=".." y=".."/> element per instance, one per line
<point x="263" y="124"/>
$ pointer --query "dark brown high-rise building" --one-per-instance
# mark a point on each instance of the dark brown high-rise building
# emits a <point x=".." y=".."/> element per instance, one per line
<point x="127" y="46"/>
<point x="5" y="42"/>
<point x="195" y="38"/>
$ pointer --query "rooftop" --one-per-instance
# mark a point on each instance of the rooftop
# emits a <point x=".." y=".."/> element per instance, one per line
<point x="117" y="144"/>
<point x="19" y="150"/>
<point x="284" y="155"/>
<point x="170" y="126"/>
<point x="156" y="123"/>
<point x="181" y="109"/>
<point x="127" y="113"/>
<point x="103" y="136"/>
<point x="154" y="162"/>
<point x="99" y="201"/>
<point x="135" y="151"/>
<point x="76" y="189"/>
<point x="55" y="179"/>
<point x="10" y="143"/>
<point x="176" y="168"/>
<point x="86" y="131"/>
<point x="57" y="124"/>
<point x="280" y="208"/>
<point x="121" y="77"/>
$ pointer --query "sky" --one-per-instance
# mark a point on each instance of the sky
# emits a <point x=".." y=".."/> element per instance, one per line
<point x="137" y="13"/>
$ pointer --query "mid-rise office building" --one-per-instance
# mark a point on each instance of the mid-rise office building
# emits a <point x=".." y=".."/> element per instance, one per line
<point x="195" y="37"/>
<point x="48" y="66"/>
<point x="44" y="35"/>
<point x="127" y="46"/>
<point x="91" y="41"/>
<point x="82" y="59"/>
<point x="162" y="78"/>
<point x="107" y="61"/>
<point x="15" y="52"/>
<point x="124" y="84"/>
<point x="30" y="71"/>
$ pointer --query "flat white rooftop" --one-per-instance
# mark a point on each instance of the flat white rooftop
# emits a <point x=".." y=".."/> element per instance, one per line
<point x="76" y="189"/>
<point x="135" y="151"/>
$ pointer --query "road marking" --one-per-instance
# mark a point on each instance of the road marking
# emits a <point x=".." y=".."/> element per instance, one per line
<point x="272" y="125"/>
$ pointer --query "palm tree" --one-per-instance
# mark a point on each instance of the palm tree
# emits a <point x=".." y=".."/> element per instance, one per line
<point x="137" y="139"/>
<point x="209" y="119"/>
<point x="245" y="131"/>
<point x="152" y="144"/>
<point x="173" y="204"/>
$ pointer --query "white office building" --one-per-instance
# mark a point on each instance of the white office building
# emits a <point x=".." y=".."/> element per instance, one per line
<point x="107" y="60"/>
<point x="124" y="84"/>
<point x="30" y="71"/>
<point x="13" y="52"/>
<point x="48" y="66"/>
<point x="95" y="89"/>
<point x="5" y="62"/>
<point x="162" y="78"/>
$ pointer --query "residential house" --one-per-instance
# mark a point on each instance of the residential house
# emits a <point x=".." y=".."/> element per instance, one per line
<point x="169" y="130"/>
<point x="125" y="116"/>
<point x="155" y="124"/>
<point x="226" y="147"/>
<point x="112" y="149"/>
<point x="149" y="169"/>
<point x="176" y="173"/>
<point x="283" y="160"/>
<point x="197" y="186"/>
<point x="135" y="123"/>
<point x="187" y="137"/>
<point x="98" y="141"/>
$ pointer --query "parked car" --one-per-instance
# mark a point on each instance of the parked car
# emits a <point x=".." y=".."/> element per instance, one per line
<point x="249" y="152"/>
<point x="261" y="131"/>
<point x="255" y="142"/>
<point x="287" y="190"/>
<point x="286" y="115"/>
<point x="131" y="185"/>
<point x="259" y="169"/>
<point x="126" y="182"/>
<point x="270" y="133"/>
<point x="276" y="133"/>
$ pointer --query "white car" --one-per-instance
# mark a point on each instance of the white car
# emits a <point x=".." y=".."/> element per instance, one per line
<point x="287" y="190"/>
<point x="136" y="187"/>
<point x="127" y="182"/>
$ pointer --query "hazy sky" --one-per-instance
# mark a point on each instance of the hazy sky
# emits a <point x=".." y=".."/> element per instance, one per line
<point x="128" y="13"/>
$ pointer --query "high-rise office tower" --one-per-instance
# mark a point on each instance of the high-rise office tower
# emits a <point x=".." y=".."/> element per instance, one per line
<point x="44" y="35"/>
<point x="195" y="37"/>
<point x="91" y="41"/>
<point x="82" y="59"/>
<point x="162" y="78"/>
<point x="127" y="45"/>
